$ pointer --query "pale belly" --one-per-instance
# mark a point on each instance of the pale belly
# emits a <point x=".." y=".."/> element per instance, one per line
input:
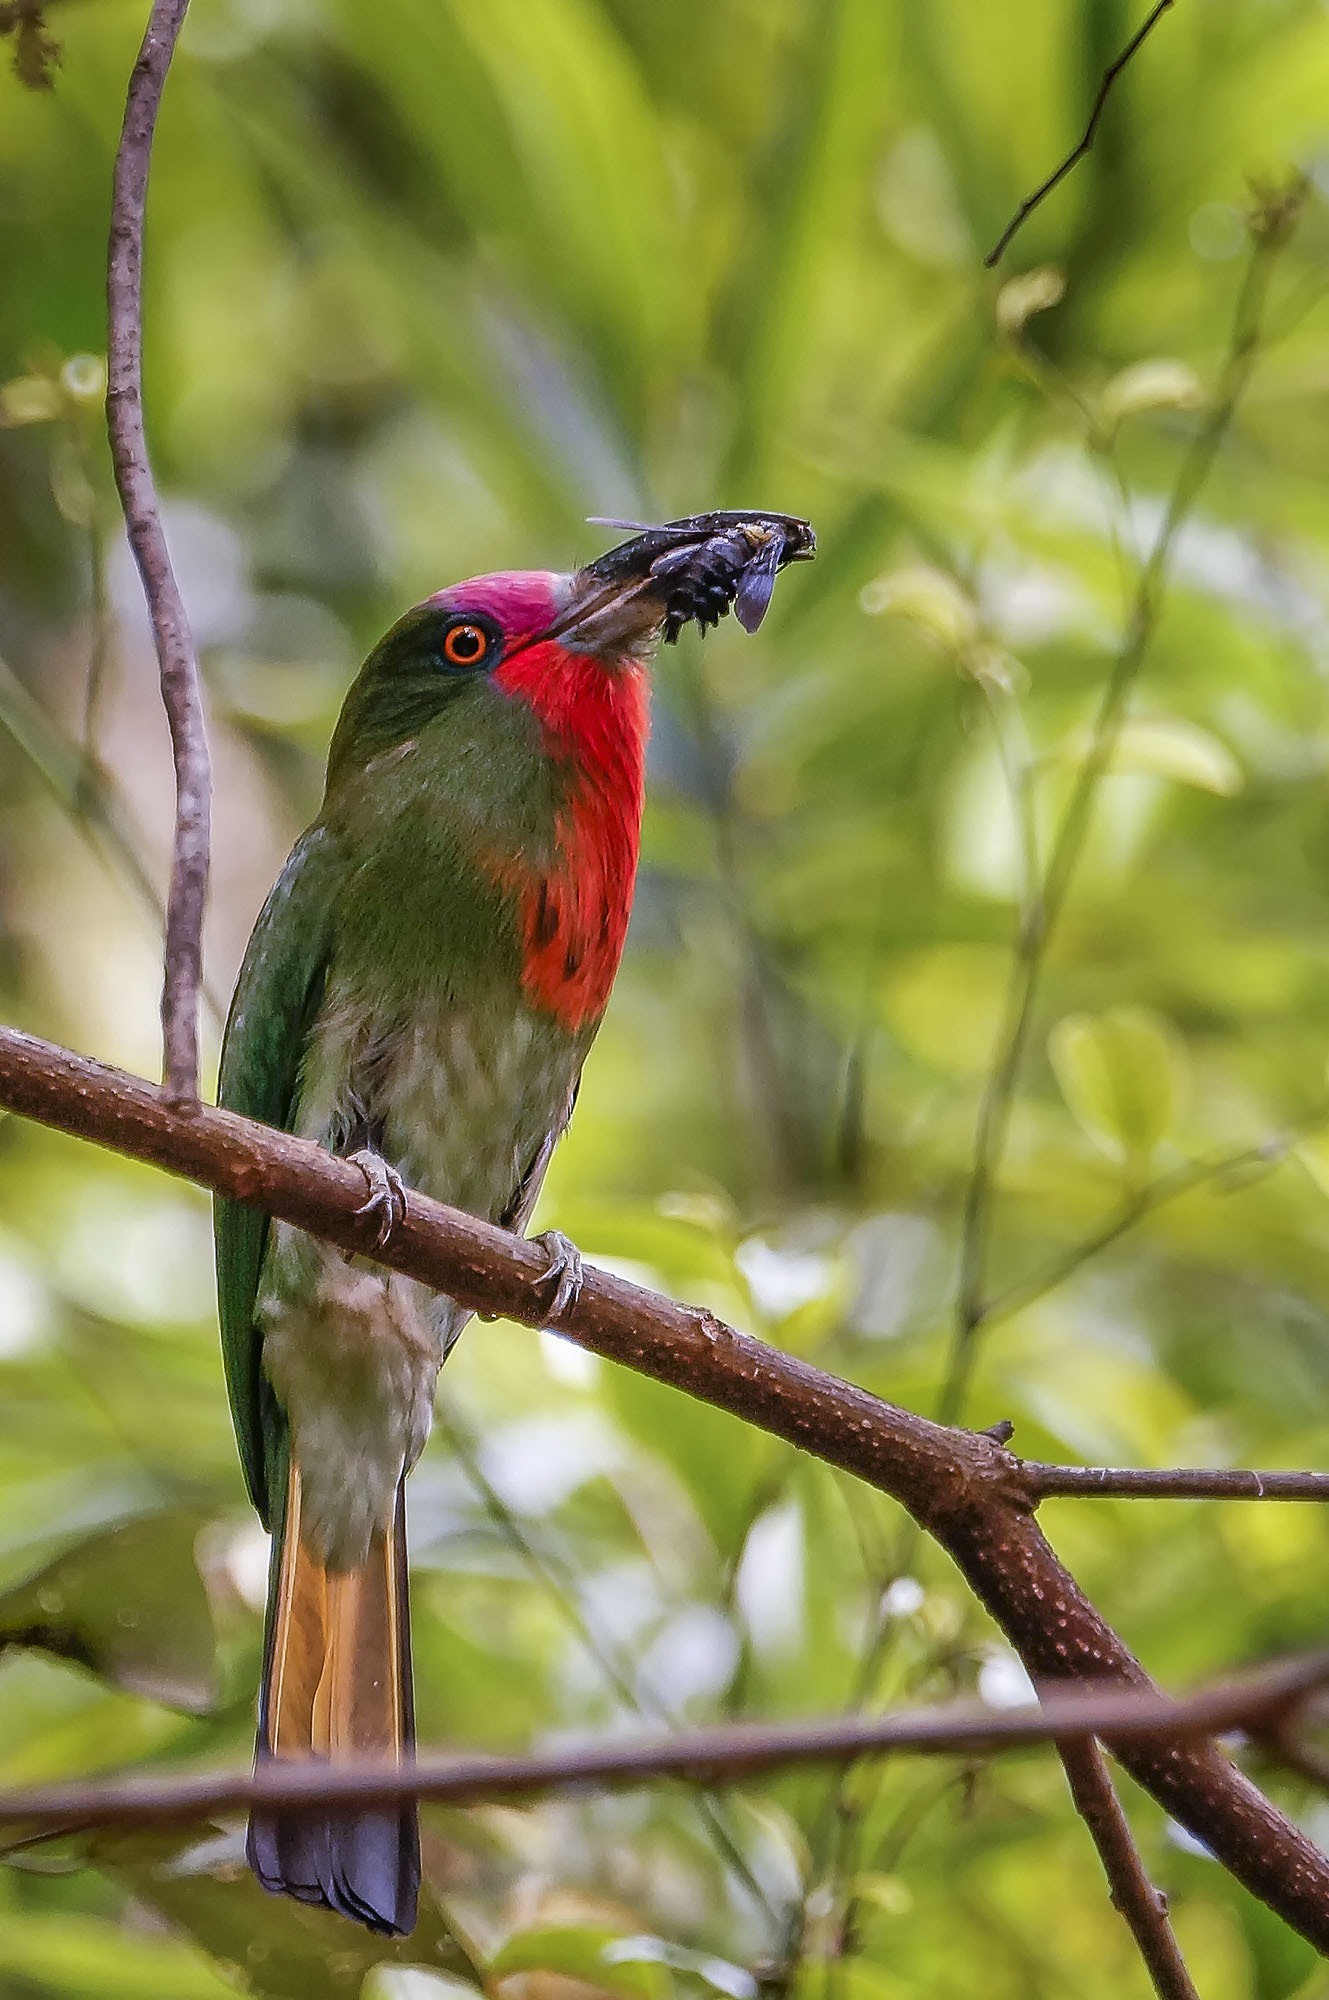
<point x="466" y="1105"/>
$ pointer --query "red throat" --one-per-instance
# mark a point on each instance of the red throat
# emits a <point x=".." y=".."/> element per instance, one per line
<point x="574" y="916"/>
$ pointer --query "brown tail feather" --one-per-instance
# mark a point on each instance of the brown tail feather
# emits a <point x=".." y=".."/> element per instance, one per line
<point x="337" y="1684"/>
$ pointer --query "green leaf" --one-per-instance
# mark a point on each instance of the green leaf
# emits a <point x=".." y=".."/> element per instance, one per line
<point x="1032" y="292"/>
<point x="1150" y="385"/>
<point x="1165" y="746"/>
<point x="127" y="1603"/>
<point x="280" y="1949"/>
<point x="930" y="598"/>
<point x="72" y="1954"/>
<point x="1313" y="1152"/>
<point x="590" y="1953"/>
<point x="28" y="399"/>
<point x="945" y="1004"/>
<point x="1120" y="1074"/>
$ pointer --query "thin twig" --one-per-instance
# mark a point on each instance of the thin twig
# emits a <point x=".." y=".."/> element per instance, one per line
<point x="1254" y="1703"/>
<point x="1270" y="230"/>
<point x="1142" y="1905"/>
<point x="1059" y="174"/>
<point x="1046" y="1482"/>
<point x="181" y="694"/>
<point x="99" y="599"/>
<point x="958" y="1485"/>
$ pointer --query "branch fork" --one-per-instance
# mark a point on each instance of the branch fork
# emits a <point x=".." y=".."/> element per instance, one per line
<point x="972" y="1495"/>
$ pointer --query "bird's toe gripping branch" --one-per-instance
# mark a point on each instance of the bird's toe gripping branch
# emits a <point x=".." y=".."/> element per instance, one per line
<point x="386" y="1200"/>
<point x="564" y="1272"/>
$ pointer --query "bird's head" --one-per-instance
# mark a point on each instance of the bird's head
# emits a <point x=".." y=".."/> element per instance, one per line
<point x="540" y="634"/>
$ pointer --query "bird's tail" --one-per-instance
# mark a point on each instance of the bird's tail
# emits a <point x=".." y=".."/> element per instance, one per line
<point x="337" y="1685"/>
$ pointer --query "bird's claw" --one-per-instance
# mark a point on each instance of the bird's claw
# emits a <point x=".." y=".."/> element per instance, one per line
<point x="387" y="1193"/>
<point x="565" y="1268"/>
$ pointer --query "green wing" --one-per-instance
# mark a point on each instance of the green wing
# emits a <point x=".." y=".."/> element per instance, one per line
<point x="276" y="998"/>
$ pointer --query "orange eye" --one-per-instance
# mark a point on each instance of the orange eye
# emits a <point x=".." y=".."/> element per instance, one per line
<point x="465" y="645"/>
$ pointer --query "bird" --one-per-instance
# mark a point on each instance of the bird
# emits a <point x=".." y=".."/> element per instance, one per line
<point x="419" y="995"/>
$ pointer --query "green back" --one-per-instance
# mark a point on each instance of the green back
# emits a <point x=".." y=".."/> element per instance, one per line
<point x="276" y="999"/>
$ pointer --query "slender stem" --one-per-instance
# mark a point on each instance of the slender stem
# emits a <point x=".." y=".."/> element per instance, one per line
<point x="99" y="611"/>
<point x="1059" y="173"/>
<point x="1257" y="1703"/>
<point x="1142" y="1905"/>
<point x="1039" y="919"/>
<point x="181" y="693"/>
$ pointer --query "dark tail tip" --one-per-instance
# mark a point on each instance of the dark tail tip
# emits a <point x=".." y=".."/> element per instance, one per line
<point x="364" y="1865"/>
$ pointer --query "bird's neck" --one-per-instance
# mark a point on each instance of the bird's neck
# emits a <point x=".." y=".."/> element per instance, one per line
<point x="573" y="911"/>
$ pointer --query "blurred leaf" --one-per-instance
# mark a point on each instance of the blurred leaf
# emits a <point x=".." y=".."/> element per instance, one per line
<point x="587" y="1953"/>
<point x="931" y="599"/>
<point x="1150" y="385"/>
<point x="1164" y="746"/>
<point x="129" y="1604"/>
<point x="96" y="1960"/>
<point x="1313" y="1152"/>
<point x="1033" y="292"/>
<point x="718" y="1458"/>
<point x="945" y="1004"/>
<point x="282" y="1950"/>
<point x="1120" y="1075"/>
<point x="29" y="399"/>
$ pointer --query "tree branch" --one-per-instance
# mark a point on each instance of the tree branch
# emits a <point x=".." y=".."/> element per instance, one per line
<point x="178" y="666"/>
<point x="1054" y="179"/>
<point x="959" y="1485"/>
<point x="1259" y="1702"/>
<point x="1045" y="1482"/>
<point x="1142" y="1905"/>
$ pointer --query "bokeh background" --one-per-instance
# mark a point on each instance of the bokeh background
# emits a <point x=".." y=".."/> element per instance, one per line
<point x="426" y="285"/>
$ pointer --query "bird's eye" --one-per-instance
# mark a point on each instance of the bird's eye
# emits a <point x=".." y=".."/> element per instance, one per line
<point x="465" y="645"/>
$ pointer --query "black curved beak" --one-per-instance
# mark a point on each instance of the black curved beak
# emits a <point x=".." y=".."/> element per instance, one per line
<point x="694" y="570"/>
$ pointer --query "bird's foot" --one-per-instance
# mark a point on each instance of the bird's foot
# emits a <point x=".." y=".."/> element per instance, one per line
<point x="387" y="1193"/>
<point x="565" y="1269"/>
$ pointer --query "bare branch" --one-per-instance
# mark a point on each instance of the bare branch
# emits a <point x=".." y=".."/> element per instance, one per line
<point x="181" y="693"/>
<point x="1142" y="1905"/>
<point x="1046" y="1482"/>
<point x="958" y="1485"/>
<point x="1059" y="174"/>
<point x="1257" y="1702"/>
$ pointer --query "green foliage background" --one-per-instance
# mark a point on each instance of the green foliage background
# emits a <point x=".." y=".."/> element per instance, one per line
<point x="427" y="284"/>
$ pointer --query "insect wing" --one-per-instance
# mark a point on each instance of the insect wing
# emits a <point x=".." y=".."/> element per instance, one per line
<point x="755" y="586"/>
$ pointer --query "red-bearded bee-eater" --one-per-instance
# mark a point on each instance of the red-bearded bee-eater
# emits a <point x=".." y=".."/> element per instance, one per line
<point x="419" y="993"/>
